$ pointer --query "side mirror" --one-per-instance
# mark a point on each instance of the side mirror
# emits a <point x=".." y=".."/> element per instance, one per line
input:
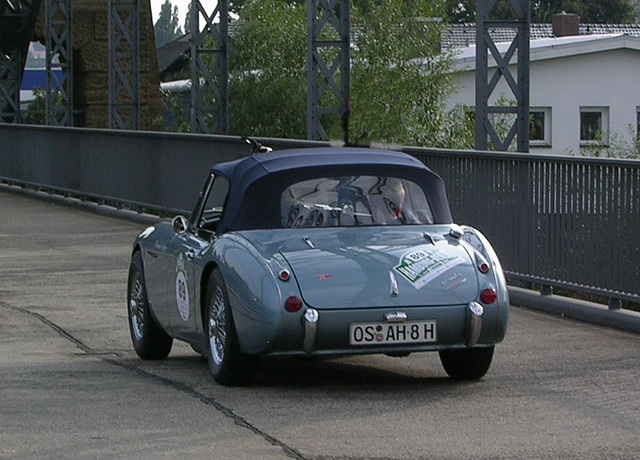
<point x="179" y="224"/>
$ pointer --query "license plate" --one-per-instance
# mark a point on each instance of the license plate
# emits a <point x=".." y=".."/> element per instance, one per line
<point x="391" y="333"/>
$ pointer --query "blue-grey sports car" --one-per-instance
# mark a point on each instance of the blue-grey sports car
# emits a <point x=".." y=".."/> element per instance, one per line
<point x="315" y="252"/>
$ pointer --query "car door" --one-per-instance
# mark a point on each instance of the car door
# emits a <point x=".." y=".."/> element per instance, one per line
<point x="155" y="256"/>
<point x="186" y="250"/>
<point x="182" y="295"/>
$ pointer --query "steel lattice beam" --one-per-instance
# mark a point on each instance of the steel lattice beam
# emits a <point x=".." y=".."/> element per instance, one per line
<point x="17" y="20"/>
<point x="59" y="56"/>
<point x="124" y="64"/>
<point x="210" y="66"/>
<point x="518" y="84"/>
<point x="10" y="81"/>
<point x="328" y="75"/>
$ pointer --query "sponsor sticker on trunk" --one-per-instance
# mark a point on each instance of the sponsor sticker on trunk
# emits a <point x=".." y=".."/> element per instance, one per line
<point x="420" y="266"/>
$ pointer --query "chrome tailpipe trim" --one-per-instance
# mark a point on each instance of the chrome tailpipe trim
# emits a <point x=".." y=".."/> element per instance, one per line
<point x="310" y="330"/>
<point x="474" y="316"/>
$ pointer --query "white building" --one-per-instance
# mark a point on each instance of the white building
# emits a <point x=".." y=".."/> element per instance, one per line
<point x="584" y="91"/>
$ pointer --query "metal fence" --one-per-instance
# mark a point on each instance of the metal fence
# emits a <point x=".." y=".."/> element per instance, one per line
<point x="569" y="222"/>
<point x="559" y="221"/>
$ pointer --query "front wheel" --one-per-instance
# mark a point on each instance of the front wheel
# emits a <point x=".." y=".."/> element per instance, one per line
<point x="148" y="338"/>
<point x="470" y="364"/>
<point x="227" y="364"/>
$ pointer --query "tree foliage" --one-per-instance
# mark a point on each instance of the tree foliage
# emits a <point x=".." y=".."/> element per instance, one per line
<point x="167" y="27"/>
<point x="268" y="71"/>
<point x="399" y="79"/>
<point x="590" y="11"/>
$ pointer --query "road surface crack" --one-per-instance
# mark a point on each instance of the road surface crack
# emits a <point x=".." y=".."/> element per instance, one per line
<point x="180" y="386"/>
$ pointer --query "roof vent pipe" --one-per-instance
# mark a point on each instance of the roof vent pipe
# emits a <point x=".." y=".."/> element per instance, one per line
<point x="565" y="25"/>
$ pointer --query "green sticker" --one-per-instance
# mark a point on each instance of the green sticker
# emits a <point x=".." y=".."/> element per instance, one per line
<point x="421" y="266"/>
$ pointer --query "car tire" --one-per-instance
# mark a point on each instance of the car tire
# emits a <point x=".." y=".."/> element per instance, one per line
<point x="148" y="338"/>
<point x="470" y="364"/>
<point x="226" y="362"/>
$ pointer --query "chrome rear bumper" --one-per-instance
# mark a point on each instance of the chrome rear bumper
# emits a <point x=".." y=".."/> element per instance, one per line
<point x="474" y="323"/>
<point x="310" y="330"/>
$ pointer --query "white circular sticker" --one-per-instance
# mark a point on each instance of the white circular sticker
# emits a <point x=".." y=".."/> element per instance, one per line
<point x="182" y="296"/>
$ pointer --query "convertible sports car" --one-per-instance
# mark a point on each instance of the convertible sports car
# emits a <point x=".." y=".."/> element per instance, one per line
<point x="312" y="252"/>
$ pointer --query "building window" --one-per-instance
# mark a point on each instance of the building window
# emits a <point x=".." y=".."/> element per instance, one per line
<point x="540" y="127"/>
<point x="594" y="125"/>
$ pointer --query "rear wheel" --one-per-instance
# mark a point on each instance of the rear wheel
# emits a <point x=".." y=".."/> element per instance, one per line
<point x="148" y="338"/>
<point x="470" y="364"/>
<point x="227" y="364"/>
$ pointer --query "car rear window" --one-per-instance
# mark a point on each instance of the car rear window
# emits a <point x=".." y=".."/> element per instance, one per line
<point x="353" y="201"/>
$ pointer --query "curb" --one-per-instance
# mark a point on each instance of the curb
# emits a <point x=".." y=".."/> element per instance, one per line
<point x="88" y="206"/>
<point x="588" y="312"/>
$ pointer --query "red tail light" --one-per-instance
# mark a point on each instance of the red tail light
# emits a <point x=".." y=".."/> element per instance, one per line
<point x="293" y="304"/>
<point x="488" y="295"/>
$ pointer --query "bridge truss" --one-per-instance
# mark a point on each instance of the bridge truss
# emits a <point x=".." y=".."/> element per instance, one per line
<point x="210" y="66"/>
<point x="124" y="64"/>
<point x="17" y="20"/>
<point x="328" y="63"/>
<point x="328" y="75"/>
<point x="59" y="56"/>
<point x="488" y="116"/>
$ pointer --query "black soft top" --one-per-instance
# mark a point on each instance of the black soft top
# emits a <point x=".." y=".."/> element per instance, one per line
<point x="257" y="182"/>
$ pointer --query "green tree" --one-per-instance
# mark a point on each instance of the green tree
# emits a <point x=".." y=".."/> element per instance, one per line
<point x="167" y="27"/>
<point x="400" y="80"/>
<point x="187" y="21"/>
<point x="268" y="70"/>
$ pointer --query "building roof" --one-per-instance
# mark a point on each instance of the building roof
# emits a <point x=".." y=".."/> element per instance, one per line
<point x="553" y="48"/>
<point x="173" y="55"/>
<point x="464" y="35"/>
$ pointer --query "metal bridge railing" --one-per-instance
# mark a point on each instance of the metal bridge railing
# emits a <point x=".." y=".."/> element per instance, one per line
<point x="568" y="222"/>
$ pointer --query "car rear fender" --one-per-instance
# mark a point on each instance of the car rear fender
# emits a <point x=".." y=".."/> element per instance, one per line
<point x="475" y="241"/>
<point x="256" y="292"/>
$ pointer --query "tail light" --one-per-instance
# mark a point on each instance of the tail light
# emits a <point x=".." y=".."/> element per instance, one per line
<point x="293" y="304"/>
<point x="488" y="295"/>
<point x="482" y="264"/>
<point x="483" y="267"/>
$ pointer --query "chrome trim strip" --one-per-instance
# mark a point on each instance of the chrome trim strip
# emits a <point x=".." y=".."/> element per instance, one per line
<point x="396" y="317"/>
<point x="393" y="287"/>
<point x="427" y="236"/>
<point x="310" y="330"/>
<point x="309" y="242"/>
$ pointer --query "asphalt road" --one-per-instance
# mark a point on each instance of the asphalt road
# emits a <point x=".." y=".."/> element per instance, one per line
<point x="72" y="387"/>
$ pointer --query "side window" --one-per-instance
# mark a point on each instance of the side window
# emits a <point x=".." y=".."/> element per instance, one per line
<point x="540" y="127"/>
<point x="214" y="204"/>
<point x="594" y="125"/>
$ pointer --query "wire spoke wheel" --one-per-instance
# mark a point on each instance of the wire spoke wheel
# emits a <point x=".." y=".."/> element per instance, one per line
<point x="228" y="365"/>
<point x="136" y="308"/>
<point x="149" y="340"/>
<point x="218" y="327"/>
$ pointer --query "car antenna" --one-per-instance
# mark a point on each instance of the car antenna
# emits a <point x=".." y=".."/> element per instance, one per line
<point x="346" y="115"/>
<point x="345" y="125"/>
<point x="257" y="147"/>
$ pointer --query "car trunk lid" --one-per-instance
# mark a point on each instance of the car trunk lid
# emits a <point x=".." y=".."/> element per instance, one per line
<point x="381" y="267"/>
